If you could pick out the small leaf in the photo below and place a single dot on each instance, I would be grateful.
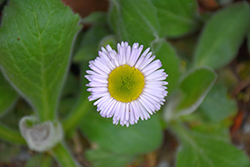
(206, 150)
(176, 17)
(170, 62)
(8, 95)
(140, 138)
(134, 21)
(35, 43)
(222, 36)
(40, 137)
(101, 158)
(217, 106)
(192, 91)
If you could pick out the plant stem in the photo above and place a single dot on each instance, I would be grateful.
(46, 160)
(82, 105)
(10, 135)
(75, 116)
(63, 156)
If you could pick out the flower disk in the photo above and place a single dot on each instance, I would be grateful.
(127, 85)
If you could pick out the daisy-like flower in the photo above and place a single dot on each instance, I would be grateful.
(128, 85)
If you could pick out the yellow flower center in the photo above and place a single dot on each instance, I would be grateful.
(125, 83)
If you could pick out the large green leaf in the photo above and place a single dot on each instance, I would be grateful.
(142, 137)
(35, 43)
(207, 150)
(101, 158)
(217, 106)
(176, 17)
(222, 36)
(8, 95)
(170, 62)
(134, 21)
(192, 90)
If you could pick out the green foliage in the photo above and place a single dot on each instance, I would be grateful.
(8, 151)
(177, 17)
(95, 17)
(62, 156)
(132, 21)
(81, 105)
(39, 160)
(222, 108)
(10, 135)
(144, 137)
(101, 158)
(248, 40)
(170, 62)
(89, 43)
(8, 95)
(222, 36)
(192, 90)
(35, 42)
(195, 87)
(206, 150)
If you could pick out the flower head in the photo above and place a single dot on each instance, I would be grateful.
(127, 85)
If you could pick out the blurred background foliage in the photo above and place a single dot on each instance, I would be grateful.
(204, 47)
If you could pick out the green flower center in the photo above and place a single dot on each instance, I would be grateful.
(125, 83)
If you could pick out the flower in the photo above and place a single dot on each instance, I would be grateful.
(127, 85)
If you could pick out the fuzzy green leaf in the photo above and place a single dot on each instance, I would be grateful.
(134, 21)
(176, 17)
(207, 150)
(170, 62)
(222, 36)
(101, 158)
(8, 95)
(35, 43)
(222, 106)
(142, 137)
(196, 85)
(192, 90)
